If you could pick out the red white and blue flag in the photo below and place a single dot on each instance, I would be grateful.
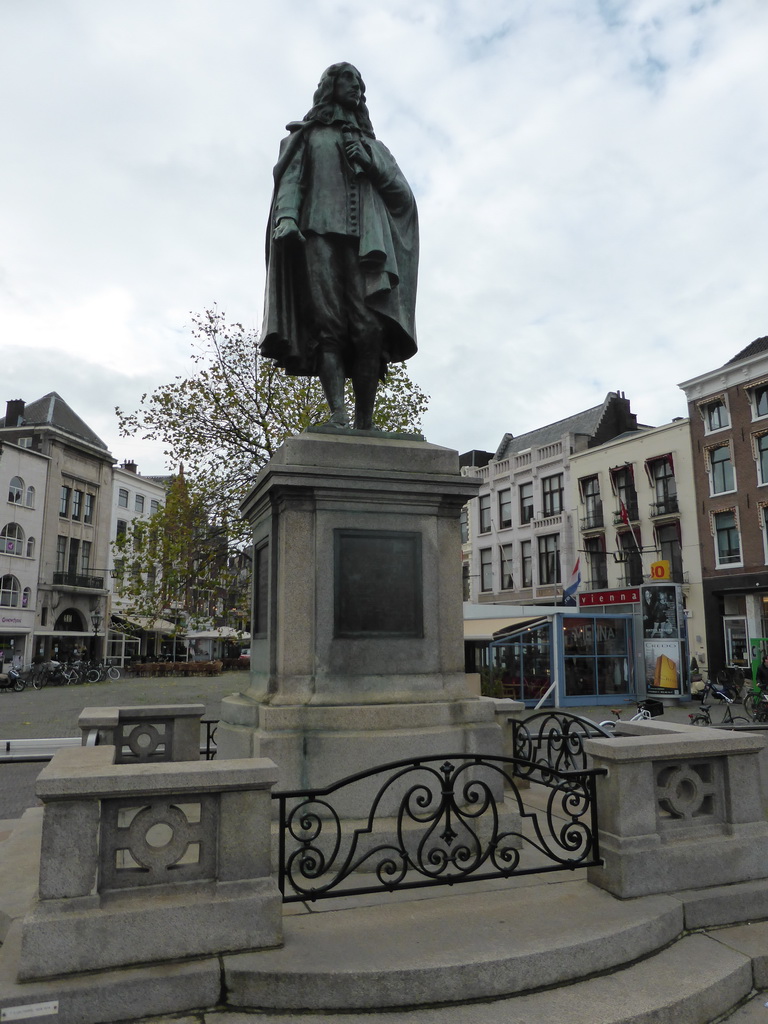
(569, 594)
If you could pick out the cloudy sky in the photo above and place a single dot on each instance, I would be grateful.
(592, 181)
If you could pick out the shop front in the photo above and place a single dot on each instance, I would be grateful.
(564, 659)
(16, 636)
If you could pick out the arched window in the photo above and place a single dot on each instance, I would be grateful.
(12, 539)
(30, 497)
(30, 547)
(16, 490)
(9, 592)
(70, 620)
(26, 597)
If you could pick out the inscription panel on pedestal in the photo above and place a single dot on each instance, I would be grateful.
(377, 584)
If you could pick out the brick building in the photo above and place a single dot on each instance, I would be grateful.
(728, 409)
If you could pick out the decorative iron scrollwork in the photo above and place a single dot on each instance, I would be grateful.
(433, 823)
(554, 739)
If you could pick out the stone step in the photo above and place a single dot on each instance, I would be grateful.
(459, 947)
(694, 981)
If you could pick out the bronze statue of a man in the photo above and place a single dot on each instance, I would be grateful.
(342, 251)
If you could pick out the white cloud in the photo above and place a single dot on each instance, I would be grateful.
(589, 177)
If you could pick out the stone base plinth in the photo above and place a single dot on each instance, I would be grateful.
(314, 747)
(71, 936)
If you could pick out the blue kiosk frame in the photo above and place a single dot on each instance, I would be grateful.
(589, 657)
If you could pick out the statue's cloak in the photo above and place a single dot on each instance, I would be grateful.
(388, 254)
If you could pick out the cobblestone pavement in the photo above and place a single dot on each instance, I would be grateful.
(54, 710)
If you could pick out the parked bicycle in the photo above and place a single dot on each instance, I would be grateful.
(704, 716)
(732, 681)
(98, 673)
(756, 703)
(646, 709)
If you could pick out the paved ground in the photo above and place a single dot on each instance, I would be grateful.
(54, 710)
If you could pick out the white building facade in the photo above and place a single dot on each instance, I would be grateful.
(23, 480)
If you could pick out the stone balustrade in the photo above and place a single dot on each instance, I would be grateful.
(680, 807)
(160, 732)
(153, 862)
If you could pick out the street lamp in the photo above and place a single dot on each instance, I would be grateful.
(95, 622)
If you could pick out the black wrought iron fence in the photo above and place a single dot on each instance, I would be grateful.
(433, 821)
(553, 740)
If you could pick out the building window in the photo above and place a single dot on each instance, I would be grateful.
(88, 508)
(61, 554)
(721, 475)
(760, 401)
(505, 508)
(623, 480)
(30, 497)
(593, 506)
(64, 501)
(631, 558)
(26, 597)
(465, 591)
(670, 549)
(464, 524)
(122, 498)
(526, 502)
(16, 490)
(9, 592)
(598, 565)
(727, 541)
(549, 559)
(154, 506)
(122, 529)
(761, 453)
(85, 557)
(485, 513)
(715, 415)
(662, 475)
(486, 570)
(526, 563)
(505, 567)
(30, 547)
(12, 539)
(138, 504)
(552, 494)
(77, 504)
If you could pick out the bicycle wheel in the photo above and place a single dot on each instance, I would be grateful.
(700, 719)
(751, 703)
(93, 676)
(737, 720)
(113, 673)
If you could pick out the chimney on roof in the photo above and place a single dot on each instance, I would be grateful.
(14, 412)
(129, 466)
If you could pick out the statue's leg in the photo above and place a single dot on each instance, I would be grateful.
(332, 379)
(325, 278)
(365, 380)
(366, 337)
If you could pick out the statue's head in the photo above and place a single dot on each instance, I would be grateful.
(331, 90)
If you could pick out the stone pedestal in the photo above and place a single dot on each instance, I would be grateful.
(357, 653)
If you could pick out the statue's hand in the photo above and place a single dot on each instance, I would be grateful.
(287, 228)
(357, 154)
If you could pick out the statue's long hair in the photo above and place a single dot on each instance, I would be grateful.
(323, 103)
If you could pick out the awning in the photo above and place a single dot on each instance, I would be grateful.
(149, 625)
(485, 629)
(515, 629)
